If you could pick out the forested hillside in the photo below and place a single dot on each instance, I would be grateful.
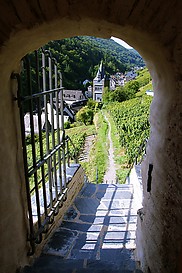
(79, 57)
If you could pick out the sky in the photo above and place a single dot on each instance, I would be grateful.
(119, 41)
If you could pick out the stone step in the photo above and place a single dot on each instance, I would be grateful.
(54, 264)
(96, 235)
(90, 188)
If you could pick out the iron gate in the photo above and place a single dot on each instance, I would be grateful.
(45, 147)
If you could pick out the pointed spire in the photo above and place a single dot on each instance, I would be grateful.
(100, 72)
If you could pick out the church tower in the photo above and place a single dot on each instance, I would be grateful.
(98, 84)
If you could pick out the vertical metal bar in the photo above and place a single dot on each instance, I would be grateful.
(30, 218)
(47, 131)
(68, 152)
(58, 129)
(40, 134)
(96, 175)
(52, 127)
(62, 129)
(33, 142)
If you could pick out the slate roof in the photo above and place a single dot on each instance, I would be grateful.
(73, 95)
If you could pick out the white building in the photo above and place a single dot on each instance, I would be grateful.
(98, 84)
(88, 93)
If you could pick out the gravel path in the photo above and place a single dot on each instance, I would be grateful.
(84, 154)
(110, 175)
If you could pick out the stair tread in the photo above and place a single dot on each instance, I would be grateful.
(96, 235)
(53, 264)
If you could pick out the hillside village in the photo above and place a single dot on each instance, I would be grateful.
(74, 100)
(96, 89)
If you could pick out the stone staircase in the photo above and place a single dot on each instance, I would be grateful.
(96, 235)
(55, 264)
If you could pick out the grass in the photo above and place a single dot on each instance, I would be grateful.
(98, 157)
(77, 135)
(120, 158)
(144, 89)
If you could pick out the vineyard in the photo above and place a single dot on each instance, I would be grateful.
(131, 120)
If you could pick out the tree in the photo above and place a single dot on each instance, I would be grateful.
(78, 58)
(131, 88)
(106, 95)
(121, 93)
(94, 105)
(85, 115)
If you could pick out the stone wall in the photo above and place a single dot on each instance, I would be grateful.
(13, 223)
(153, 27)
(74, 187)
(158, 233)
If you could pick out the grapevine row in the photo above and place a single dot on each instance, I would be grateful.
(132, 122)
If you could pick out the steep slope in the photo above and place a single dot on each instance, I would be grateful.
(79, 58)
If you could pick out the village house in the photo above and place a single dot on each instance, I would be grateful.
(50, 112)
(88, 92)
(71, 96)
(98, 84)
(116, 80)
(130, 75)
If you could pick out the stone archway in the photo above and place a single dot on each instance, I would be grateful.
(156, 34)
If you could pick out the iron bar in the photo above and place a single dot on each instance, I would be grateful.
(140, 152)
(67, 152)
(45, 159)
(58, 129)
(75, 153)
(40, 135)
(47, 131)
(33, 142)
(46, 92)
(97, 175)
(62, 129)
(52, 127)
(40, 181)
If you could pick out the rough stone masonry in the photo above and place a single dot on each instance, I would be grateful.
(153, 27)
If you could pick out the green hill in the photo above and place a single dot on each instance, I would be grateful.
(79, 57)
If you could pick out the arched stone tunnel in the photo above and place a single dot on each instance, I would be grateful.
(154, 28)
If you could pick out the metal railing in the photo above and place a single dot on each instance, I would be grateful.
(141, 150)
(71, 155)
(45, 147)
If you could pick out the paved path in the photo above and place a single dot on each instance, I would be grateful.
(110, 175)
(97, 234)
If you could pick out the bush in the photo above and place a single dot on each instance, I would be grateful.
(121, 93)
(85, 115)
(94, 105)
(29, 138)
(67, 125)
